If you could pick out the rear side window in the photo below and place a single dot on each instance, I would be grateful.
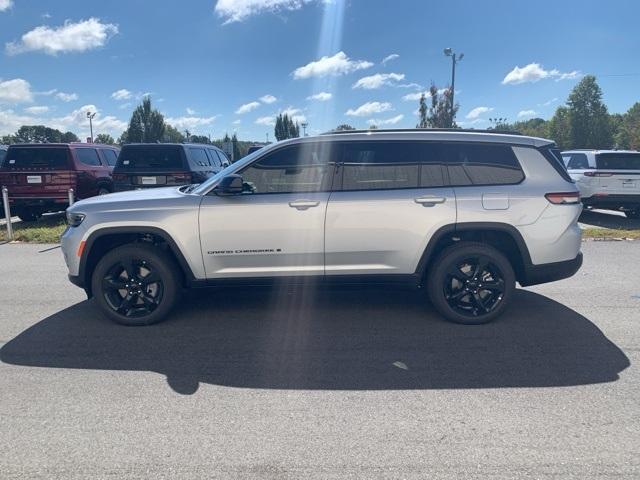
(88, 156)
(618, 161)
(199, 157)
(150, 157)
(36, 157)
(481, 164)
(111, 156)
(577, 161)
(390, 165)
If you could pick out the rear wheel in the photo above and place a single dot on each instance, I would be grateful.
(633, 214)
(471, 283)
(103, 191)
(28, 214)
(136, 284)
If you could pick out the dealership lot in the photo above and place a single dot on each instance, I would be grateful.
(299, 383)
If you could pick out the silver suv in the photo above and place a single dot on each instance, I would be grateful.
(464, 214)
(607, 179)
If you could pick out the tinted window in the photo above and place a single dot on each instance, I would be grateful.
(213, 158)
(618, 161)
(223, 158)
(88, 156)
(480, 164)
(150, 157)
(32, 157)
(390, 165)
(2, 155)
(199, 157)
(111, 156)
(299, 168)
(578, 161)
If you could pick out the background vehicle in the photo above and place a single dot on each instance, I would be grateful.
(149, 165)
(466, 214)
(39, 176)
(253, 148)
(607, 179)
(3, 152)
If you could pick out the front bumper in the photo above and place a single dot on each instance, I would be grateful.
(551, 272)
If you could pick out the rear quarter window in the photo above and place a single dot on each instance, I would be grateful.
(36, 157)
(151, 157)
(88, 156)
(618, 161)
(481, 164)
(110, 156)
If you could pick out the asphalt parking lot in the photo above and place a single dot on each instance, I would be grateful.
(298, 383)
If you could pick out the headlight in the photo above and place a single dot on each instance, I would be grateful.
(75, 219)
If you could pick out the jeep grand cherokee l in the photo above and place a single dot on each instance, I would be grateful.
(464, 214)
(39, 176)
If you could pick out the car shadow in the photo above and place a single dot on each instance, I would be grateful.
(351, 339)
(608, 220)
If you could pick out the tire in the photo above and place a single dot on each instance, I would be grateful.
(103, 191)
(633, 214)
(458, 289)
(28, 214)
(136, 303)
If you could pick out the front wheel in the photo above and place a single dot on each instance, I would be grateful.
(136, 284)
(471, 283)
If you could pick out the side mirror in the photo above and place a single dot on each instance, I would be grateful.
(229, 185)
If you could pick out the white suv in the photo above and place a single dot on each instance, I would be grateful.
(607, 179)
(465, 214)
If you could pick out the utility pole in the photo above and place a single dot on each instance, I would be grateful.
(304, 126)
(90, 117)
(454, 60)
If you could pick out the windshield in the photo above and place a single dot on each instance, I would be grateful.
(204, 187)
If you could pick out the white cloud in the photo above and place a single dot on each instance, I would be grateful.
(321, 97)
(337, 65)
(476, 112)
(268, 99)
(124, 106)
(247, 107)
(5, 5)
(239, 10)
(122, 94)
(414, 97)
(268, 121)
(534, 72)
(548, 102)
(76, 121)
(37, 110)
(11, 121)
(237, 122)
(390, 58)
(295, 114)
(190, 122)
(67, 97)
(190, 111)
(378, 80)
(17, 90)
(369, 108)
(526, 113)
(70, 37)
(388, 121)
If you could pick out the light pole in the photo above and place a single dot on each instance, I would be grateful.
(455, 58)
(90, 117)
(304, 126)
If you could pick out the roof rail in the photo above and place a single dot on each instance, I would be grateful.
(413, 130)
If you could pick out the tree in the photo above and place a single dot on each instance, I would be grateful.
(344, 127)
(628, 134)
(172, 135)
(440, 114)
(200, 139)
(236, 148)
(588, 116)
(559, 127)
(41, 134)
(146, 124)
(285, 128)
(105, 139)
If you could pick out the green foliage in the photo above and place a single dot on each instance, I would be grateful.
(343, 127)
(39, 134)
(285, 128)
(628, 132)
(146, 125)
(236, 147)
(105, 139)
(200, 139)
(588, 116)
(172, 135)
(440, 114)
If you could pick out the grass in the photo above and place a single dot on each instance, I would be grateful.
(610, 233)
(45, 230)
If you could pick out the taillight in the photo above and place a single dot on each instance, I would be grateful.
(179, 179)
(119, 177)
(598, 174)
(563, 198)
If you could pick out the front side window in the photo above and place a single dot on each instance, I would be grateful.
(295, 169)
(88, 156)
(110, 156)
(213, 158)
(481, 164)
(390, 165)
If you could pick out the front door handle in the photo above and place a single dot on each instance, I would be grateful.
(430, 201)
(303, 204)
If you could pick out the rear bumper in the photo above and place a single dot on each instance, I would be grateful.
(612, 201)
(550, 272)
(58, 202)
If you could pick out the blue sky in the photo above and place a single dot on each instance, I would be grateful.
(216, 66)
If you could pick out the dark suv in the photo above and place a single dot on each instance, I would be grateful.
(39, 176)
(148, 165)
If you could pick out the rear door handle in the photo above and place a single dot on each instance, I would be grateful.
(430, 201)
(303, 204)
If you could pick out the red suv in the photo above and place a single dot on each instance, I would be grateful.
(39, 176)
